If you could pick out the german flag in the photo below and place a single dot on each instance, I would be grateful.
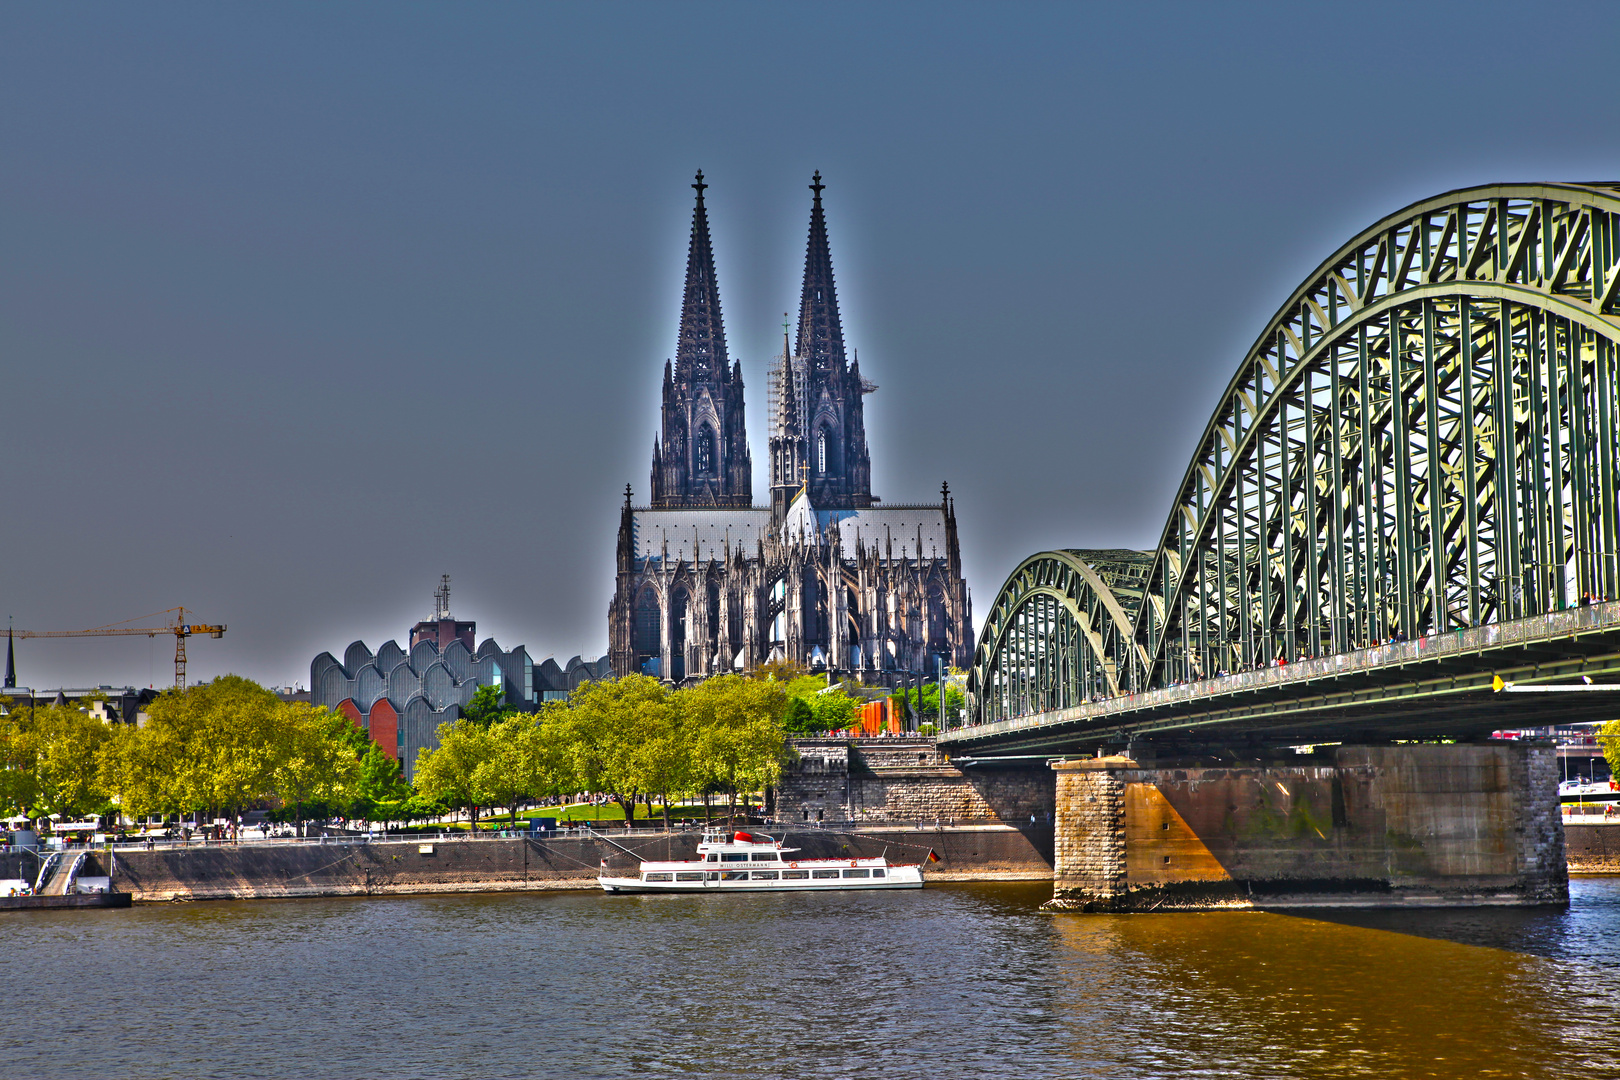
(933, 856)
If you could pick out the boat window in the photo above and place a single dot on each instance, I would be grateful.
(657, 877)
(734, 875)
(713, 876)
(734, 856)
(766, 856)
(713, 857)
(823, 873)
(689, 875)
(877, 873)
(764, 875)
(857, 873)
(795, 875)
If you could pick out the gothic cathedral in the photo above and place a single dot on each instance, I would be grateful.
(825, 576)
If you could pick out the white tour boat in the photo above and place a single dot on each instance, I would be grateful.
(753, 862)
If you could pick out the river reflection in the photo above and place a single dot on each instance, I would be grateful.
(955, 980)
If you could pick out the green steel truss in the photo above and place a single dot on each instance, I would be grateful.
(1425, 437)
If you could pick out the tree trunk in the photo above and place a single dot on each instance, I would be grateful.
(666, 812)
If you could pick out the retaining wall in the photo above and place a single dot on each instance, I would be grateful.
(1593, 848)
(269, 870)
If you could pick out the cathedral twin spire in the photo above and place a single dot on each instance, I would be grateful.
(821, 334)
(701, 458)
(818, 436)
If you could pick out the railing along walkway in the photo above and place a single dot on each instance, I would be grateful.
(1393, 654)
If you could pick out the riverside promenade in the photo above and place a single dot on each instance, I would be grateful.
(455, 863)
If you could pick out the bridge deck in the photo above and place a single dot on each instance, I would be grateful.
(1435, 686)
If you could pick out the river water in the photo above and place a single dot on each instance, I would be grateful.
(957, 980)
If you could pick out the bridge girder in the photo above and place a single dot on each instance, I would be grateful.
(1424, 437)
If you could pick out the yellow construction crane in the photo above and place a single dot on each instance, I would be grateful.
(178, 626)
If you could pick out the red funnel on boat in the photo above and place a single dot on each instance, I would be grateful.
(743, 838)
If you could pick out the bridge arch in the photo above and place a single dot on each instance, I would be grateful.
(1053, 637)
(1426, 436)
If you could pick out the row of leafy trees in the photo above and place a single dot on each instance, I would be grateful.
(230, 745)
(632, 739)
(217, 748)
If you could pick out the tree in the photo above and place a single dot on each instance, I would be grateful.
(517, 766)
(814, 708)
(736, 733)
(48, 761)
(446, 773)
(211, 747)
(381, 778)
(664, 758)
(1609, 739)
(315, 759)
(602, 730)
(488, 705)
(799, 718)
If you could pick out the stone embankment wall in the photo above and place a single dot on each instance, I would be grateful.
(1355, 826)
(263, 871)
(908, 779)
(1594, 848)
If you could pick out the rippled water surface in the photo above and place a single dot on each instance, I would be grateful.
(955, 980)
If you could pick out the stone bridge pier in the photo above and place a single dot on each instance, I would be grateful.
(1349, 826)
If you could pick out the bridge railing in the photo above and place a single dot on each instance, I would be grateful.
(1554, 624)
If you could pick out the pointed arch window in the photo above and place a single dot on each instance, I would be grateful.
(648, 632)
(703, 452)
(821, 453)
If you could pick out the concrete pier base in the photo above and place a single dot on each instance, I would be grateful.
(1351, 826)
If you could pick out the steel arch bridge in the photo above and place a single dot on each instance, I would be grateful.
(1424, 438)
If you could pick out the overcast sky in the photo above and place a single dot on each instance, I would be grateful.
(304, 305)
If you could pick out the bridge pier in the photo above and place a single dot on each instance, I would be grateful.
(1349, 826)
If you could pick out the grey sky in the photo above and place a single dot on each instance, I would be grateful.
(304, 305)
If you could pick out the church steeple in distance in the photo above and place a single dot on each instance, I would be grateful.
(840, 469)
(702, 459)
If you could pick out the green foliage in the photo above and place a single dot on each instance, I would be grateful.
(445, 773)
(814, 709)
(315, 759)
(735, 731)
(1609, 740)
(929, 709)
(226, 745)
(630, 739)
(488, 705)
(381, 778)
(518, 764)
(503, 764)
(48, 761)
(607, 734)
(799, 718)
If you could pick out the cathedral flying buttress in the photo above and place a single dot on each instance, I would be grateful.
(824, 576)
